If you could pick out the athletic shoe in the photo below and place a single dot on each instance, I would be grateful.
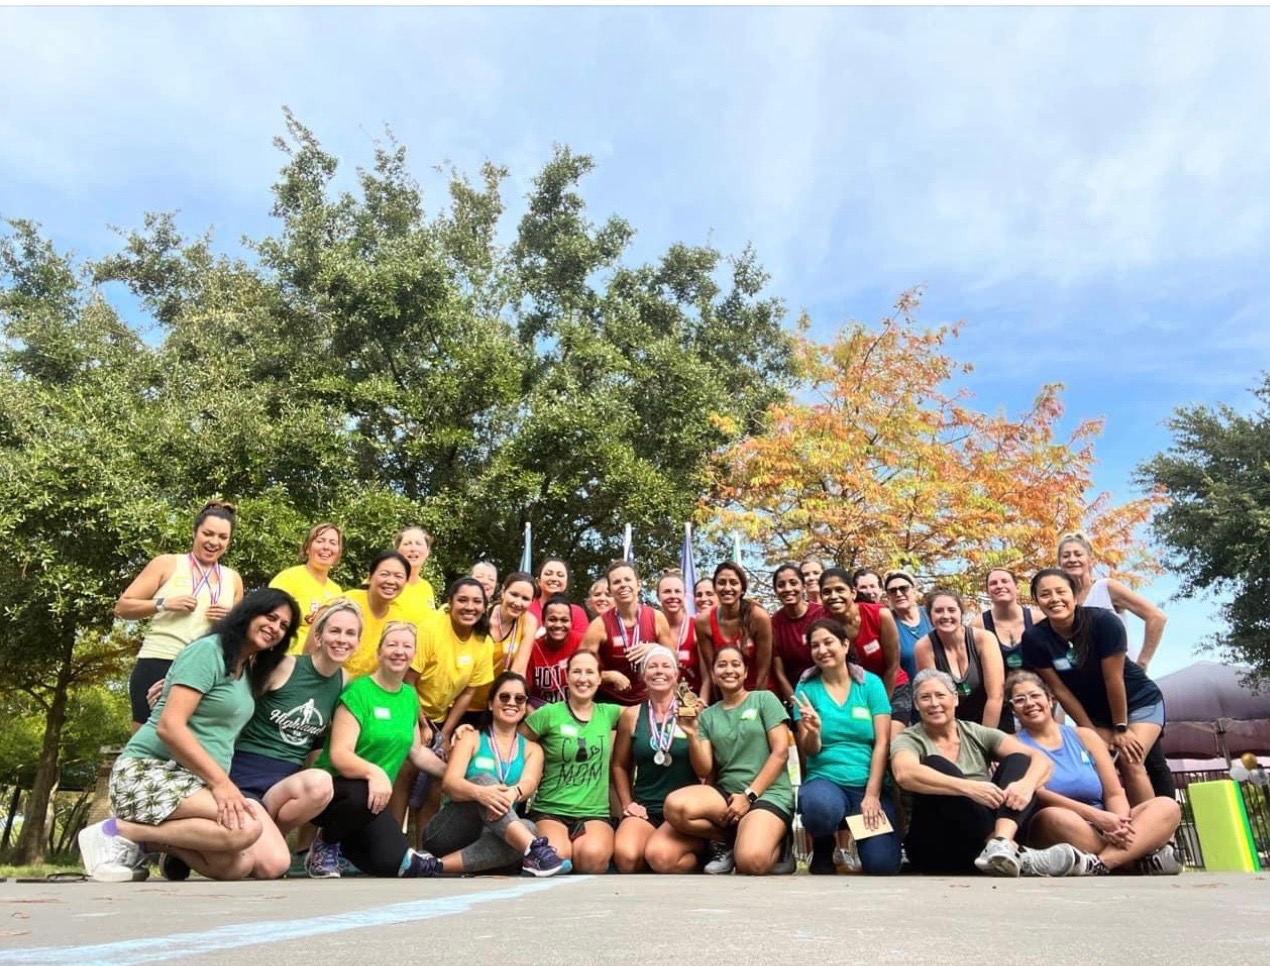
(1057, 860)
(1163, 861)
(847, 859)
(542, 860)
(721, 861)
(787, 864)
(999, 857)
(1087, 864)
(172, 868)
(423, 865)
(110, 858)
(323, 861)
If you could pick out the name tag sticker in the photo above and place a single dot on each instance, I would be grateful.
(465, 659)
(569, 731)
(1062, 664)
(749, 713)
(680, 733)
(861, 713)
(483, 762)
(384, 714)
(872, 647)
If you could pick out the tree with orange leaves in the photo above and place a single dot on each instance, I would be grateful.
(884, 466)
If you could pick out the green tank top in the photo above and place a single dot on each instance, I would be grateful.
(291, 721)
(653, 782)
(485, 762)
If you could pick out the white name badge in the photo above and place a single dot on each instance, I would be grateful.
(749, 713)
(872, 647)
(680, 733)
(1062, 664)
(465, 659)
(384, 714)
(483, 762)
(569, 731)
(861, 713)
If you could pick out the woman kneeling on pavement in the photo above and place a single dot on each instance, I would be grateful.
(844, 731)
(747, 816)
(170, 788)
(1083, 803)
(490, 771)
(961, 818)
(376, 730)
(650, 761)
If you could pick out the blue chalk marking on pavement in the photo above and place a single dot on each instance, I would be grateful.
(176, 945)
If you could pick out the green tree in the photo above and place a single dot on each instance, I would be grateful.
(1216, 526)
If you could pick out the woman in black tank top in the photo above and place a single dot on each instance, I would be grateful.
(971, 657)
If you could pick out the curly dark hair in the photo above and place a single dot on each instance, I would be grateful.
(232, 631)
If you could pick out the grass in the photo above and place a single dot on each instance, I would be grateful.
(40, 871)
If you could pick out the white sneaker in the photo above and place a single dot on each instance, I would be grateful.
(846, 859)
(110, 858)
(999, 857)
(1056, 860)
(721, 860)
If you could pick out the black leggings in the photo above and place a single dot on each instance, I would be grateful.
(1158, 771)
(373, 843)
(947, 832)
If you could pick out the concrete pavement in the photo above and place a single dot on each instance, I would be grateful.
(1193, 918)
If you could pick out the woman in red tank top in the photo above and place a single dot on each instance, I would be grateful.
(671, 595)
(623, 636)
(791, 655)
(547, 673)
(875, 641)
(738, 621)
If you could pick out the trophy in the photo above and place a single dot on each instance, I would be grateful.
(689, 703)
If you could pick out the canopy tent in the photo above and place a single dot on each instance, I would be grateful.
(1212, 715)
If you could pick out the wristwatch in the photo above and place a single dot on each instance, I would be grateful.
(1120, 728)
(158, 605)
(751, 795)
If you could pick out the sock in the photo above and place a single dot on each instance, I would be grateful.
(529, 847)
(110, 826)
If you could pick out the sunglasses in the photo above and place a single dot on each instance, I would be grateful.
(899, 589)
(506, 697)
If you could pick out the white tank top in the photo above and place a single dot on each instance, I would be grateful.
(1100, 596)
(169, 631)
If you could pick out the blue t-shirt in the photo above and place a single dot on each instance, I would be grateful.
(1044, 647)
(909, 636)
(846, 730)
(1075, 776)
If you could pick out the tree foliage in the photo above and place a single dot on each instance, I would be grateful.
(881, 465)
(1216, 526)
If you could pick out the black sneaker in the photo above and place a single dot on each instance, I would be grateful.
(172, 868)
(423, 865)
(822, 857)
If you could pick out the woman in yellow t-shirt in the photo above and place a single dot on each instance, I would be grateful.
(417, 597)
(309, 582)
(379, 604)
(512, 631)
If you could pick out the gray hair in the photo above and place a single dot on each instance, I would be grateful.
(934, 674)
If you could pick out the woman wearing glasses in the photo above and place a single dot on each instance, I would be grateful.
(572, 805)
(911, 621)
(1083, 803)
(491, 770)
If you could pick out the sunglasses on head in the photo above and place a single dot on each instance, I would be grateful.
(506, 697)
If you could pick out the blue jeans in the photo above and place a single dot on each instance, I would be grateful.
(824, 805)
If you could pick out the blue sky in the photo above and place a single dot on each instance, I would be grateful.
(1089, 189)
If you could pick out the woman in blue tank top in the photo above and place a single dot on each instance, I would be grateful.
(491, 770)
(1083, 803)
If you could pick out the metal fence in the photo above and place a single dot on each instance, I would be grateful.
(1256, 801)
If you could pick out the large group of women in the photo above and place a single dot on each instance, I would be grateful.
(528, 734)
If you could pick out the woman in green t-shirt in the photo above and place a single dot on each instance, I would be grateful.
(746, 815)
(170, 787)
(376, 730)
(572, 805)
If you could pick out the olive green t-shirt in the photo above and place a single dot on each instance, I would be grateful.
(738, 740)
(978, 747)
(226, 705)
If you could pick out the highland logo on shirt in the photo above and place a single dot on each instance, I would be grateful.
(300, 725)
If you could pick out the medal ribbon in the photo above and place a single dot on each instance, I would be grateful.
(628, 645)
(661, 736)
(501, 768)
(203, 578)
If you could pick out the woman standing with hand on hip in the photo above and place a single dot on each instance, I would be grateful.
(183, 595)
